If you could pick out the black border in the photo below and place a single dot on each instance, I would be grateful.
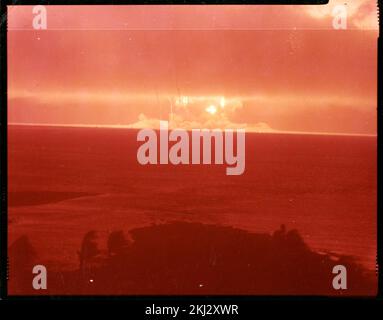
(142, 301)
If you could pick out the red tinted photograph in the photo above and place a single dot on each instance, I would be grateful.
(192, 150)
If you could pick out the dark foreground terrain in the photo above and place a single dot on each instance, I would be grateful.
(192, 258)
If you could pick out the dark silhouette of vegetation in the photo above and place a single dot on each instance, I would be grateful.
(192, 258)
(22, 258)
(89, 250)
(117, 243)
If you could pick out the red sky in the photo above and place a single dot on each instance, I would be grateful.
(261, 67)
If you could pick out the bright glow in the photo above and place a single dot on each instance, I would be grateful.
(222, 102)
(185, 100)
(211, 109)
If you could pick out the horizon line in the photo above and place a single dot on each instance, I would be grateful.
(124, 126)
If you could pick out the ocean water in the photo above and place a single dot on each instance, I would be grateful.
(66, 181)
